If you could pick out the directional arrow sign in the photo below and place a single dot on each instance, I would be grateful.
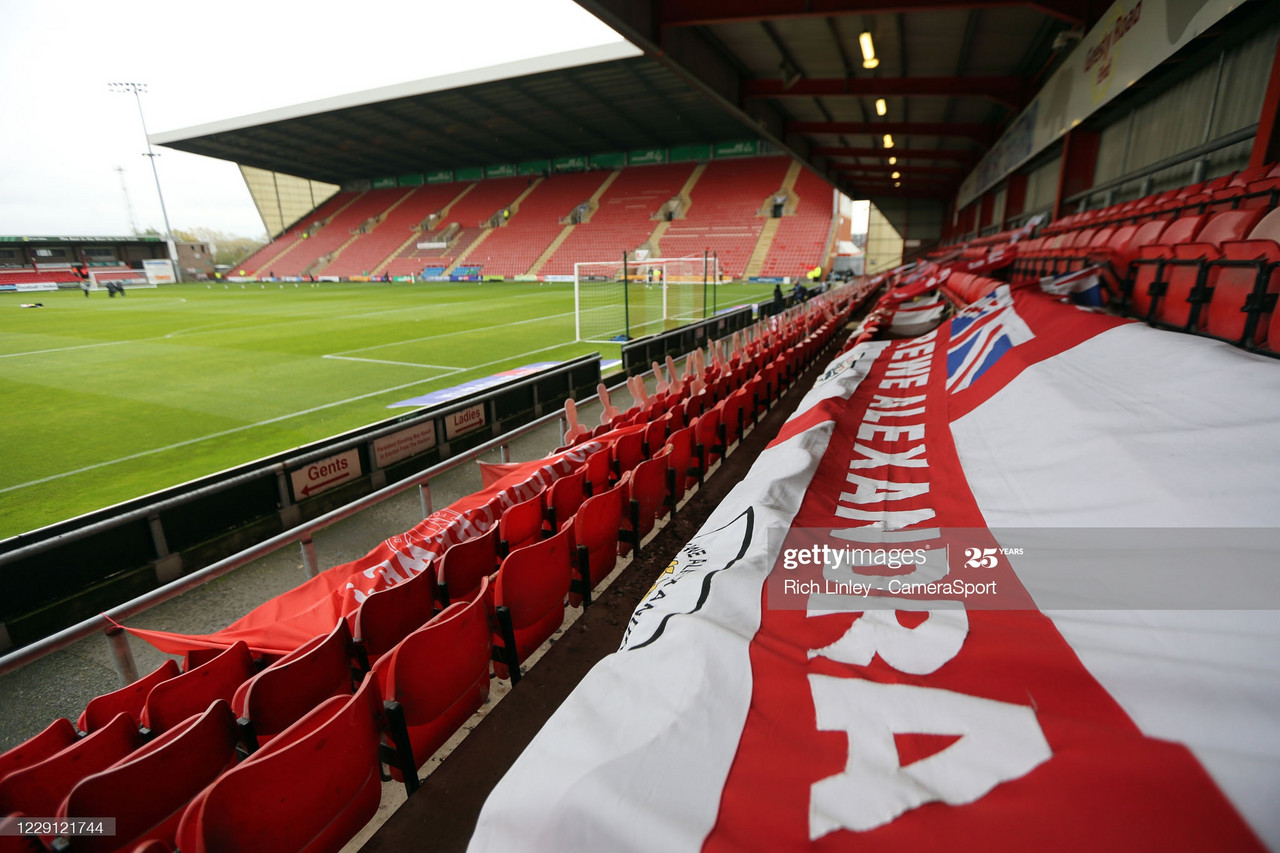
(324, 474)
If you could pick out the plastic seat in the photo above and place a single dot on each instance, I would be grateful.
(680, 461)
(628, 452)
(170, 702)
(597, 468)
(389, 615)
(291, 688)
(462, 569)
(655, 435)
(520, 525)
(129, 699)
(437, 677)
(563, 497)
(1181, 290)
(55, 737)
(595, 533)
(1149, 262)
(733, 417)
(708, 441)
(648, 498)
(38, 789)
(320, 778)
(148, 790)
(1243, 285)
(529, 599)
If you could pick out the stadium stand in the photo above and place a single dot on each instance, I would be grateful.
(624, 217)
(261, 262)
(801, 239)
(426, 201)
(513, 248)
(724, 215)
(310, 257)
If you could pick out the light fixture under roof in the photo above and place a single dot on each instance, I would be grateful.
(881, 107)
(893, 161)
(888, 140)
(896, 175)
(897, 183)
(868, 51)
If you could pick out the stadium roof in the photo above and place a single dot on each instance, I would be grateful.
(952, 75)
(608, 98)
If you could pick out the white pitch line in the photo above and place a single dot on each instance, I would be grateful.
(459, 332)
(244, 427)
(448, 367)
(65, 349)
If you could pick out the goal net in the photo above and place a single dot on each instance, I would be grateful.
(651, 296)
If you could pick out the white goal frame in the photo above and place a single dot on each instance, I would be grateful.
(664, 274)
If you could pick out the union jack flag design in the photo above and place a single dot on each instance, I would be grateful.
(980, 335)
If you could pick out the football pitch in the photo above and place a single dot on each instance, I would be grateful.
(109, 399)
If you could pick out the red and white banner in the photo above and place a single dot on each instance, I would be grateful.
(754, 706)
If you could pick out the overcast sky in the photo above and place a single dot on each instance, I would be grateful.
(64, 133)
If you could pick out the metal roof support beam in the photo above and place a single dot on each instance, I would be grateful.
(984, 134)
(674, 13)
(1003, 90)
(960, 156)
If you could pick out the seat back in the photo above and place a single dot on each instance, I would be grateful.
(128, 699)
(628, 452)
(532, 585)
(321, 787)
(288, 690)
(733, 416)
(1234, 282)
(462, 569)
(655, 435)
(147, 791)
(39, 788)
(55, 737)
(680, 460)
(170, 702)
(520, 524)
(564, 497)
(1268, 228)
(389, 615)
(1231, 225)
(596, 468)
(439, 674)
(595, 533)
(648, 495)
(708, 440)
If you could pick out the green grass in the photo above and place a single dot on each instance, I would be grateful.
(109, 399)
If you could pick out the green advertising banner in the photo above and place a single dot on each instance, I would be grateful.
(383, 183)
(472, 173)
(611, 160)
(534, 167)
(410, 180)
(569, 164)
(684, 153)
(745, 148)
(646, 156)
(504, 170)
(443, 176)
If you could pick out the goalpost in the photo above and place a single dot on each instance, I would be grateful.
(627, 298)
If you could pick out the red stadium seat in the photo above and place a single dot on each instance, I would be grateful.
(128, 699)
(595, 532)
(1243, 285)
(628, 452)
(1149, 262)
(147, 791)
(1180, 292)
(563, 498)
(170, 702)
(680, 463)
(649, 498)
(465, 565)
(291, 688)
(529, 598)
(708, 441)
(436, 678)
(520, 525)
(597, 469)
(57, 736)
(320, 777)
(38, 789)
(389, 615)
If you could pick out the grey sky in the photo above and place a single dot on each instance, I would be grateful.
(65, 132)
